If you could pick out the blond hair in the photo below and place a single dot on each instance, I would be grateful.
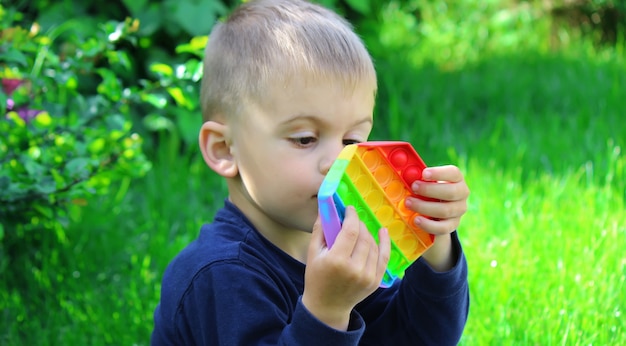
(266, 43)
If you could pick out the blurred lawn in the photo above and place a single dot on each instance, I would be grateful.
(539, 133)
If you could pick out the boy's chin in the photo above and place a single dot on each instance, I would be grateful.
(309, 227)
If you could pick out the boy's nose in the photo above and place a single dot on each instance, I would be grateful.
(325, 166)
(328, 160)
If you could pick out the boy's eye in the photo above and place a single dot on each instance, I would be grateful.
(303, 141)
(350, 141)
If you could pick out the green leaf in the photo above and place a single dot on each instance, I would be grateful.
(46, 186)
(197, 17)
(156, 122)
(150, 19)
(110, 85)
(58, 178)
(195, 46)
(120, 58)
(157, 100)
(32, 167)
(96, 146)
(193, 70)
(15, 56)
(78, 167)
(162, 69)
(188, 123)
(361, 6)
(135, 7)
(117, 122)
(42, 120)
(47, 212)
(3, 102)
(178, 96)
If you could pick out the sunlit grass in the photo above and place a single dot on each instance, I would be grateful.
(547, 265)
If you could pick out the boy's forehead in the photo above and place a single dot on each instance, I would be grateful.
(306, 80)
(300, 100)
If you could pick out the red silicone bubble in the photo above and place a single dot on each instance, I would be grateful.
(398, 158)
(411, 174)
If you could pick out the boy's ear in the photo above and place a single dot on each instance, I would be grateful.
(215, 146)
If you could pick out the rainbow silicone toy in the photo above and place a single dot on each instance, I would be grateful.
(375, 178)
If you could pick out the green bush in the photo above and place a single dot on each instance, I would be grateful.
(65, 132)
(170, 96)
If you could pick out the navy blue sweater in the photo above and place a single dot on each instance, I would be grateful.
(231, 286)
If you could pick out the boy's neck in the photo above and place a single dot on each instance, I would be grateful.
(293, 242)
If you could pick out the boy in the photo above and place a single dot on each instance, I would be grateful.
(287, 85)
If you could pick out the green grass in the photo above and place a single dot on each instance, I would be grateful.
(547, 264)
(540, 135)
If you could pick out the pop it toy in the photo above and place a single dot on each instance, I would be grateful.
(375, 178)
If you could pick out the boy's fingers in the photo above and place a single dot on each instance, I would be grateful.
(349, 234)
(439, 227)
(439, 210)
(441, 191)
(363, 247)
(443, 173)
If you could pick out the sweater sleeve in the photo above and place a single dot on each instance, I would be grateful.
(424, 308)
(231, 304)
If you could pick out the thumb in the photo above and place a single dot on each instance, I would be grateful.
(318, 242)
(384, 252)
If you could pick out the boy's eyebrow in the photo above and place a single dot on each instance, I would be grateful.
(314, 119)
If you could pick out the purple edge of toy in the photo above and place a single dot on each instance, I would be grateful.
(331, 223)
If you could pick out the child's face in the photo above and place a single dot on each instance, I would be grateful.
(284, 149)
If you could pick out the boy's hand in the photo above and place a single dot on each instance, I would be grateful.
(446, 201)
(337, 279)
(448, 193)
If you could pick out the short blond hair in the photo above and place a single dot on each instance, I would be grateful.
(267, 42)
